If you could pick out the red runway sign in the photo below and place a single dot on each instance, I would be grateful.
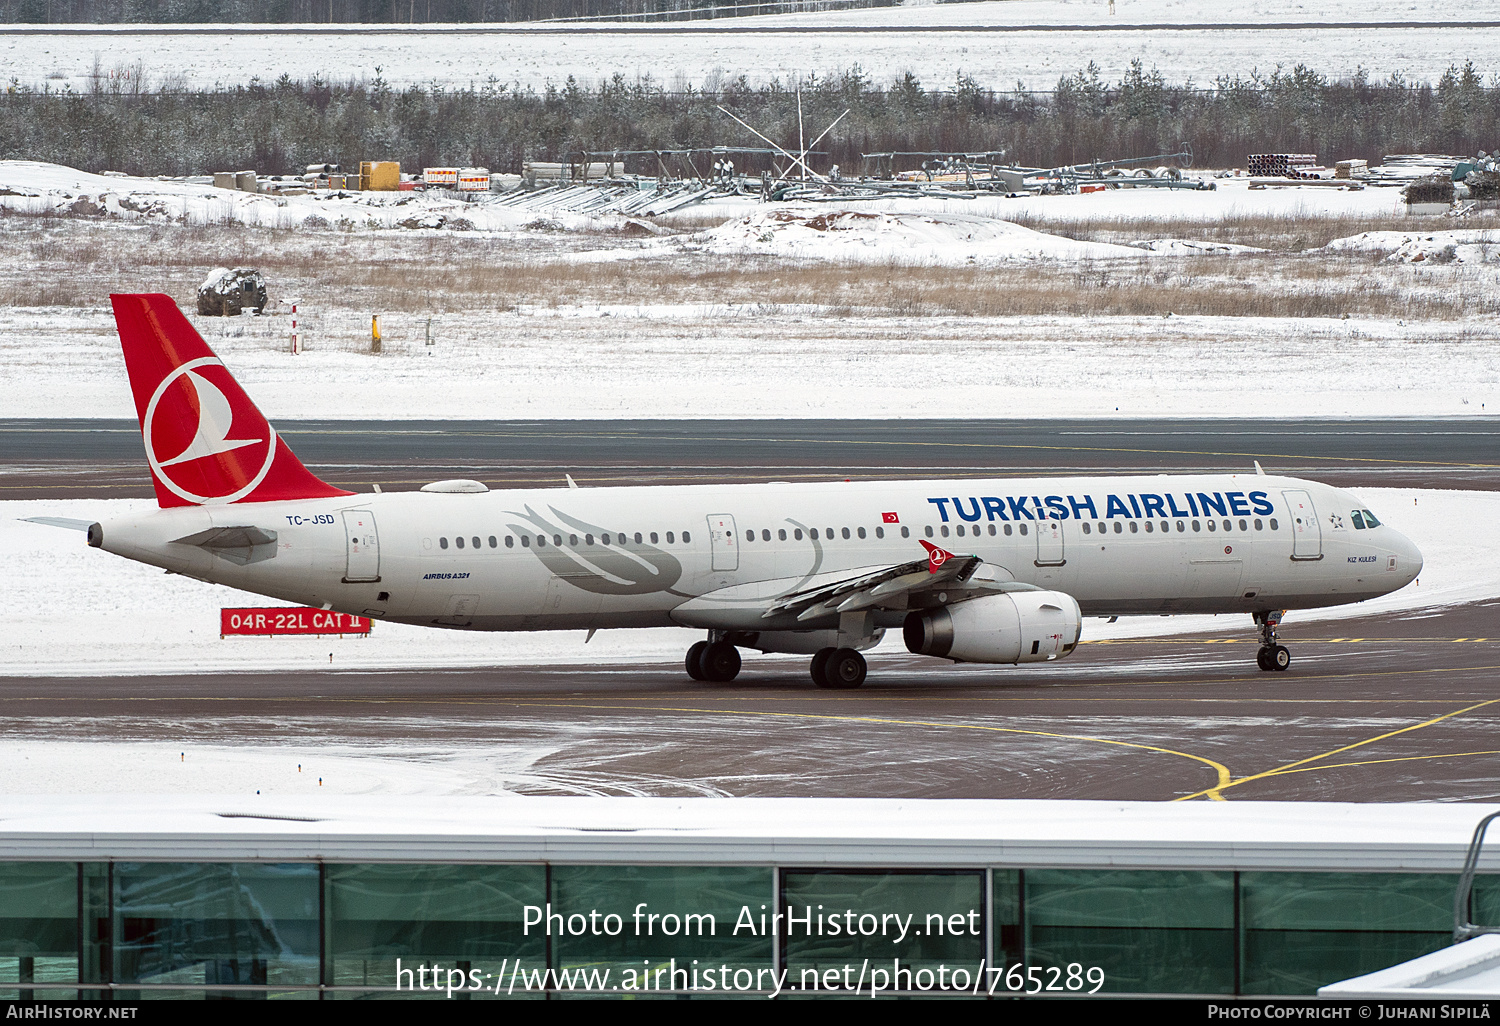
(290, 620)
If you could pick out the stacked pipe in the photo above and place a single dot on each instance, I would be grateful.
(1280, 165)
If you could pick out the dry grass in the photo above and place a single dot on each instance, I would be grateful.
(74, 263)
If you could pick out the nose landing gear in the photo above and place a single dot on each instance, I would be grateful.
(1271, 656)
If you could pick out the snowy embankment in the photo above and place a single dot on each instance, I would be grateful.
(69, 609)
(1462, 246)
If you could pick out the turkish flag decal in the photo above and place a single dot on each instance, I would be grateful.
(890, 518)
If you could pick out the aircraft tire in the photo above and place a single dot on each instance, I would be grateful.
(720, 662)
(819, 665)
(694, 662)
(1279, 658)
(1261, 658)
(845, 669)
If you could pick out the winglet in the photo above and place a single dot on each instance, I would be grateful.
(206, 442)
(1258, 469)
(936, 557)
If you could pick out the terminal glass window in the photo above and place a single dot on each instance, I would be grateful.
(1150, 931)
(226, 923)
(38, 929)
(636, 920)
(1305, 930)
(468, 918)
(942, 913)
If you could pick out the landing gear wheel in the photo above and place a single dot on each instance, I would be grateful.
(694, 661)
(1279, 658)
(720, 662)
(845, 669)
(819, 664)
(1261, 659)
(1271, 655)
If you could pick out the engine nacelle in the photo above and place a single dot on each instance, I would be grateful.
(1012, 627)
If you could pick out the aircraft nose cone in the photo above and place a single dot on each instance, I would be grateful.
(1409, 557)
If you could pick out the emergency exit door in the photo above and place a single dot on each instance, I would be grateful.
(362, 545)
(1049, 544)
(723, 542)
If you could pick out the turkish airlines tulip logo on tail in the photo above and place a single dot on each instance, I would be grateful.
(205, 440)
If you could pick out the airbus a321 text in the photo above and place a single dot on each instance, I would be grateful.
(981, 571)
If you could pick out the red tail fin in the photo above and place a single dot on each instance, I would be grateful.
(205, 440)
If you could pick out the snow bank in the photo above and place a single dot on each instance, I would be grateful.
(69, 609)
(881, 237)
(1472, 246)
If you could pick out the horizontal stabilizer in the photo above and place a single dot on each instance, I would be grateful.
(242, 545)
(67, 522)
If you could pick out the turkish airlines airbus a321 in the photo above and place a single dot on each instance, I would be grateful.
(981, 571)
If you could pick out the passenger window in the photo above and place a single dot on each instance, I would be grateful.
(510, 541)
(1135, 528)
(960, 530)
(1211, 525)
(1007, 530)
(638, 538)
(1228, 526)
(905, 532)
(541, 541)
(669, 538)
(573, 540)
(1023, 528)
(812, 532)
(797, 534)
(588, 539)
(442, 543)
(1103, 528)
(525, 542)
(929, 530)
(846, 534)
(686, 537)
(828, 533)
(1148, 527)
(992, 530)
(1357, 520)
(1244, 526)
(944, 530)
(494, 542)
(766, 535)
(781, 534)
(604, 539)
(459, 541)
(1260, 525)
(475, 540)
(1181, 527)
(880, 532)
(861, 532)
(1119, 527)
(1085, 528)
(749, 535)
(1274, 525)
(1196, 526)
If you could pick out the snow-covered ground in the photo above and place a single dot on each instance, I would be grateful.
(680, 54)
(70, 609)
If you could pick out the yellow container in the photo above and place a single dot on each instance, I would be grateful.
(379, 175)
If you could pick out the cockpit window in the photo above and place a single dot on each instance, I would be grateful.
(1370, 520)
(1358, 521)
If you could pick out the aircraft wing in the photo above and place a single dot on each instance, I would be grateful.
(872, 589)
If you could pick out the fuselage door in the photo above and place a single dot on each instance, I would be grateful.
(723, 541)
(363, 546)
(1307, 533)
(1049, 543)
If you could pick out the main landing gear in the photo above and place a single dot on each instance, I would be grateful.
(838, 668)
(716, 661)
(1271, 655)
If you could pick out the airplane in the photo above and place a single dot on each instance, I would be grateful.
(998, 571)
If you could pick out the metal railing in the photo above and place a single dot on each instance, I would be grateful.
(1463, 929)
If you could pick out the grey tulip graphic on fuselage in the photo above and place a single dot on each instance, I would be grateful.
(625, 568)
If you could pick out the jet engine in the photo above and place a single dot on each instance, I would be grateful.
(1012, 627)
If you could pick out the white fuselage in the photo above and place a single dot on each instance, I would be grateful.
(714, 556)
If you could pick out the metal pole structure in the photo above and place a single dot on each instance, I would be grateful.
(784, 153)
(296, 338)
(801, 140)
